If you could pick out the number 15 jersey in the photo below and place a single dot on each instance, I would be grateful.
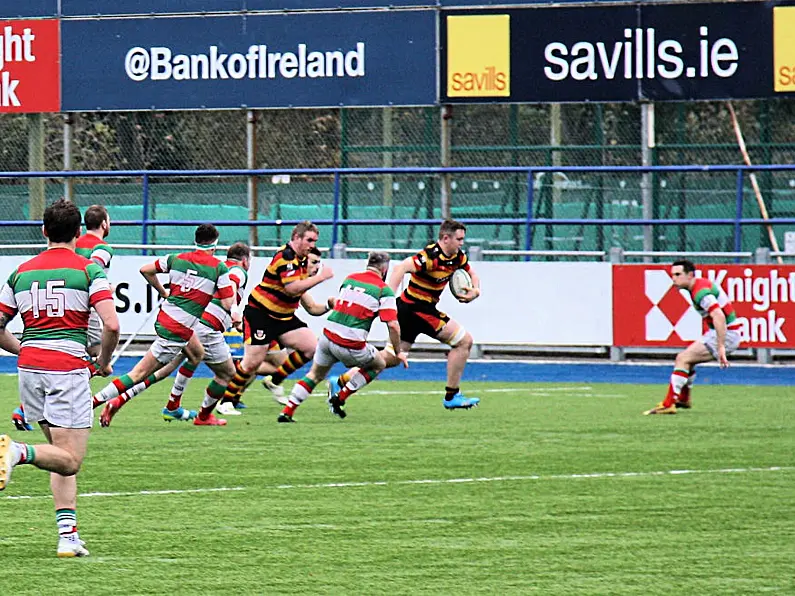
(54, 293)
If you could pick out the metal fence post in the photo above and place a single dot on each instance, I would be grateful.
(528, 232)
(445, 157)
(616, 256)
(648, 142)
(335, 215)
(251, 164)
(145, 218)
(68, 130)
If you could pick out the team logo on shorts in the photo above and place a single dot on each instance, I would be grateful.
(259, 334)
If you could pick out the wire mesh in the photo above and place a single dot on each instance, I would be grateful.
(480, 135)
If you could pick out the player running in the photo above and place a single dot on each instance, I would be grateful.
(93, 247)
(721, 338)
(431, 270)
(195, 278)
(363, 297)
(270, 313)
(54, 293)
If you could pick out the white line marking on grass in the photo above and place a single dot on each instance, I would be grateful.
(437, 481)
(140, 493)
(533, 477)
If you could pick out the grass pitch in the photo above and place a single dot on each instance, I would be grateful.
(544, 489)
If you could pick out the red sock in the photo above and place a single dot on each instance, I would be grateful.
(670, 398)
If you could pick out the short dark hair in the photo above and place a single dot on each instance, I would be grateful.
(315, 251)
(378, 259)
(302, 228)
(62, 221)
(687, 266)
(95, 215)
(450, 227)
(206, 234)
(238, 251)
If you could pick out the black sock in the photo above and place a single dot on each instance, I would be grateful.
(449, 393)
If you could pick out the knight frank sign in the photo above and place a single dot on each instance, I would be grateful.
(649, 311)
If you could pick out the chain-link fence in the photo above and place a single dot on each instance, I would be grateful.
(479, 135)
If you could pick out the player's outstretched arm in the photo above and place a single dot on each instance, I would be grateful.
(106, 309)
(312, 307)
(296, 288)
(401, 269)
(149, 271)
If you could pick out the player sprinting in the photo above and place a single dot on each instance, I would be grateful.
(92, 246)
(276, 356)
(238, 260)
(721, 338)
(431, 270)
(54, 293)
(270, 313)
(194, 278)
(363, 297)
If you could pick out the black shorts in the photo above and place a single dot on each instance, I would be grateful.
(260, 329)
(419, 317)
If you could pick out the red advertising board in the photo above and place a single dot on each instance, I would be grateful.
(30, 66)
(649, 311)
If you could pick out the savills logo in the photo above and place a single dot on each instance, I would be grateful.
(784, 48)
(479, 56)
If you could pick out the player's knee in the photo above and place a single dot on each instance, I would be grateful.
(308, 353)
(461, 339)
(70, 466)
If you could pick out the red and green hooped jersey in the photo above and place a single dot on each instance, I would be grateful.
(214, 315)
(706, 297)
(363, 297)
(270, 295)
(194, 278)
(95, 249)
(54, 292)
(434, 270)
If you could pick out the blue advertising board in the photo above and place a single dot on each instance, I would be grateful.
(80, 8)
(27, 9)
(262, 61)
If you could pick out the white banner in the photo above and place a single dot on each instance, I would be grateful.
(565, 304)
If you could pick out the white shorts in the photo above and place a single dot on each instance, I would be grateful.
(710, 340)
(165, 350)
(94, 329)
(59, 399)
(216, 350)
(328, 353)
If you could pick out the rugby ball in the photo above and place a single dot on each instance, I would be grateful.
(460, 281)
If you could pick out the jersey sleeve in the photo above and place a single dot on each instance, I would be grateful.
(422, 260)
(289, 271)
(102, 255)
(225, 286)
(387, 306)
(464, 263)
(163, 264)
(706, 300)
(8, 300)
(98, 285)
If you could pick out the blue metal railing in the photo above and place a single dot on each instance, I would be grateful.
(336, 174)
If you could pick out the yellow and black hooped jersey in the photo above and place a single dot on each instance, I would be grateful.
(434, 270)
(270, 295)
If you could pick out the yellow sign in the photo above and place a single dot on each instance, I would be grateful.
(784, 48)
(479, 56)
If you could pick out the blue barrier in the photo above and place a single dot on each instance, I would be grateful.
(336, 175)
